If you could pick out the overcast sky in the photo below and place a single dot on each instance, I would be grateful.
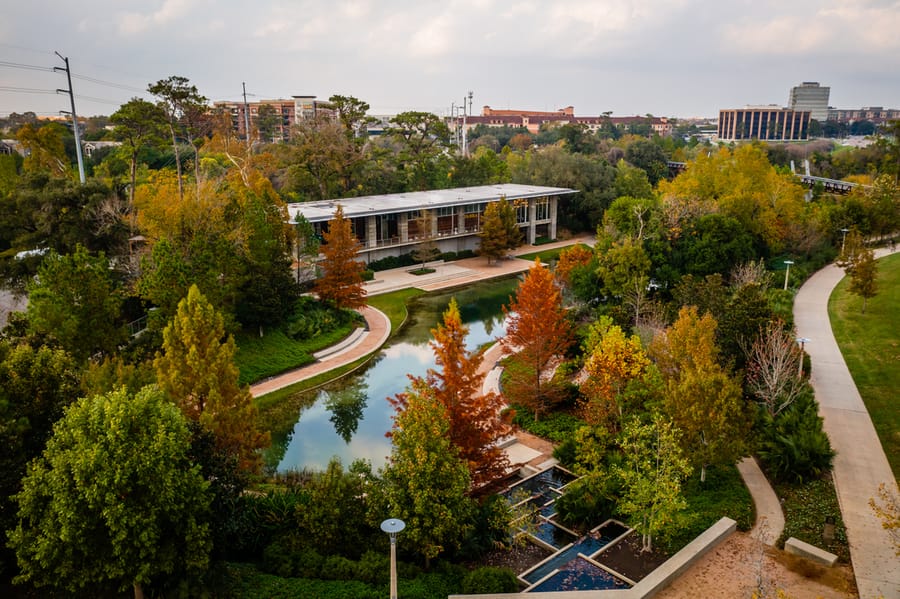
(677, 58)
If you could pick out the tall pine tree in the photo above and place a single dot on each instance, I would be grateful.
(197, 371)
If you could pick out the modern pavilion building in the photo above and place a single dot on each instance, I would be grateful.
(392, 225)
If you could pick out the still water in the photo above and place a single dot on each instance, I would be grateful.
(349, 418)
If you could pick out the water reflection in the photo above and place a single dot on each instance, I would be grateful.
(349, 418)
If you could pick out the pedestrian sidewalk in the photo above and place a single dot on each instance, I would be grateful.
(860, 464)
(378, 329)
(769, 522)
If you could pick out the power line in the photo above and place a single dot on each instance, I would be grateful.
(108, 83)
(26, 90)
(24, 67)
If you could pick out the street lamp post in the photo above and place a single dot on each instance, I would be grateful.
(392, 526)
(843, 239)
(802, 341)
(787, 272)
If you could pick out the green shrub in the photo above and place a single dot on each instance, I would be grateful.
(368, 275)
(556, 427)
(390, 262)
(587, 501)
(338, 568)
(448, 256)
(793, 445)
(490, 580)
(374, 567)
(308, 564)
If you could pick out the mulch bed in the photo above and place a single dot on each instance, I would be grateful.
(518, 559)
(627, 558)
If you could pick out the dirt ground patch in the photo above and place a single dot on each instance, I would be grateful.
(625, 557)
(732, 568)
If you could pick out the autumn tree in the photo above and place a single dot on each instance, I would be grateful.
(341, 283)
(703, 399)
(113, 500)
(652, 469)
(197, 370)
(426, 249)
(571, 258)
(44, 149)
(178, 99)
(475, 424)
(537, 331)
(858, 263)
(613, 360)
(137, 123)
(426, 480)
(773, 368)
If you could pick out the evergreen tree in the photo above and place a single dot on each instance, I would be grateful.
(493, 243)
(426, 480)
(196, 369)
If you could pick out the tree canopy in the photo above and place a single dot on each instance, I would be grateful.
(113, 500)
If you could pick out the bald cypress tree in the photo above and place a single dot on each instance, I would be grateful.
(341, 283)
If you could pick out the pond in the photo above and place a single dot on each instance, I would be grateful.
(348, 419)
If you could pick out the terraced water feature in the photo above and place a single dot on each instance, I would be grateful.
(572, 565)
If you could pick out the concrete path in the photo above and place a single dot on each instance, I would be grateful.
(860, 465)
(378, 328)
(769, 522)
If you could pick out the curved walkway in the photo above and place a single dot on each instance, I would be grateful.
(860, 465)
(378, 328)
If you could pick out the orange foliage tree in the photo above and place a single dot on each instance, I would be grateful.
(571, 258)
(341, 282)
(538, 331)
(475, 422)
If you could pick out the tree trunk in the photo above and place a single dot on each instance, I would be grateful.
(138, 591)
(703, 473)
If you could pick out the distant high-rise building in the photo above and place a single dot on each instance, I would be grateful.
(765, 123)
(811, 97)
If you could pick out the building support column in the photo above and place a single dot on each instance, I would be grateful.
(553, 200)
(532, 217)
(371, 231)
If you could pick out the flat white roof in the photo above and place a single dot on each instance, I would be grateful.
(416, 200)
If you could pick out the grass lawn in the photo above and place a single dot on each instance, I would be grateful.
(260, 357)
(547, 255)
(870, 343)
(394, 305)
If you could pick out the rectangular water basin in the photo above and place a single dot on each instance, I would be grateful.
(544, 485)
(586, 545)
(579, 575)
(553, 534)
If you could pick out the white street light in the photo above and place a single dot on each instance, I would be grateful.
(392, 526)
(844, 239)
(787, 272)
(802, 341)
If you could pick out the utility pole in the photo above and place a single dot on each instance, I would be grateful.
(246, 114)
(465, 143)
(74, 117)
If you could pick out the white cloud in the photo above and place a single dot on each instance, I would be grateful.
(171, 10)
